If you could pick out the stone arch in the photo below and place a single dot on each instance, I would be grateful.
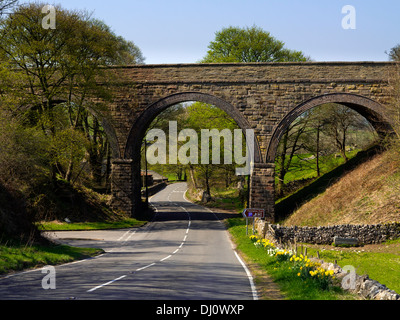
(370, 109)
(126, 184)
(140, 126)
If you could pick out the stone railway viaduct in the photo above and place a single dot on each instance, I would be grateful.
(265, 97)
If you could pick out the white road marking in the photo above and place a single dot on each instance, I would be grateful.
(129, 234)
(166, 258)
(106, 284)
(150, 265)
(121, 237)
(253, 287)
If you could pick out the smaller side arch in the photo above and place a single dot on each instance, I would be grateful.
(370, 109)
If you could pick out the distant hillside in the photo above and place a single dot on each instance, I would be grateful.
(368, 194)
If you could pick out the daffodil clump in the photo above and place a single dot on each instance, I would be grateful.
(307, 269)
(300, 265)
(253, 238)
(262, 243)
(324, 277)
(283, 255)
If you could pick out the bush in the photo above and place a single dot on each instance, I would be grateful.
(22, 168)
(23, 155)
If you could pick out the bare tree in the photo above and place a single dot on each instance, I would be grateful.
(312, 141)
(7, 5)
(394, 53)
(340, 120)
(288, 147)
(393, 109)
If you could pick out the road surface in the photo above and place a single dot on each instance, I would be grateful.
(184, 254)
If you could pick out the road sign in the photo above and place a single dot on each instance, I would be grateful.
(251, 213)
(254, 213)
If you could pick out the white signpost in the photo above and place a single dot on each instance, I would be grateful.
(252, 213)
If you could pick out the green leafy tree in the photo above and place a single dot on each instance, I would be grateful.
(204, 116)
(58, 68)
(176, 113)
(253, 44)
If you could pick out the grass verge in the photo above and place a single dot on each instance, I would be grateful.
(383, 267)
(222, 198)
(17, 257)
(101, 225)
(292, 286)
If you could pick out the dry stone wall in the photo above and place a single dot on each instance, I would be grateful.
(361, 285)
(365, 234)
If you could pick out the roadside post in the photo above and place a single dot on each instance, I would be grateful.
(252, 213)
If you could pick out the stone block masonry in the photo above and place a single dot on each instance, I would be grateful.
(263, 93)
(262, 189)
(121, 186)
(263, 97)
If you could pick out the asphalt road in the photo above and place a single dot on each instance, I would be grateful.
(184, 254)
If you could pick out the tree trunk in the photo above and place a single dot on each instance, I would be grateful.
(318, 137)
(282, 171)
(207, 178)
(192, 177)
(68, 174)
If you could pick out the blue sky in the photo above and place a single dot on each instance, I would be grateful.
(177, 31)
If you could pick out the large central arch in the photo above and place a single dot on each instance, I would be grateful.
(140, 126)
(138, 131)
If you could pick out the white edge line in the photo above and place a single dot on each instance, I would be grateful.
(253, 287)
